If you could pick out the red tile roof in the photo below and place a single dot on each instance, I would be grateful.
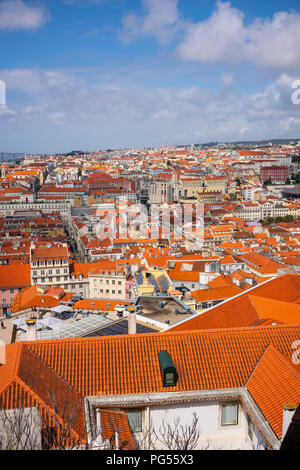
(256, 304)
(14, 276)
(215, 293)
(127, 364)
(112, 420)
(271, 382)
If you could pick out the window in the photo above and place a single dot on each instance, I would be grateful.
(58, 271)
(119, 292)
(66, 271)
(250, 427)
(135, 420)
(50, 279)
(229, 414)
(49, 271)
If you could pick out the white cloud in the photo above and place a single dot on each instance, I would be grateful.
(165, 114)
(161, 19)
(227, 78)
(57, 118)
(36, 80)
(7, 112)
(16, 14)
(224, 37)
(84, 115)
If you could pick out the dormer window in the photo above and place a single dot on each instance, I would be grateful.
(168, 371)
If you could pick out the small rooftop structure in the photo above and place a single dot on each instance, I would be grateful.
(171, 312)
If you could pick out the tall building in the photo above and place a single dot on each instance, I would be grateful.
(277, 174)
(49, 264)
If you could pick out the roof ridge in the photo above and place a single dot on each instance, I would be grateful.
(41, 401)
(256, 365)
(203, 331)
(282, 359)
(27, 348)
(16, 364)
(240, 294)
(249, 297)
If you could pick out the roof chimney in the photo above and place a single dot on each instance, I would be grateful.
(98, 422)
(131, 320)
(31, 330)
(99, 443)
(117, 439)
(288, 413)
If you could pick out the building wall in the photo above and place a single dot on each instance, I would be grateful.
(107, 286)
(51, 272)
(213, 436)
(6, 299)
(63, 207)
(160, 191)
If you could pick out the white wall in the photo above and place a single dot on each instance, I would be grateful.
(213, 435)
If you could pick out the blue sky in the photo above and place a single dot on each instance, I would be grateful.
(93, 74)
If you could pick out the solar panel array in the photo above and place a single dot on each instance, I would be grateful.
(139, 278)
(152, 281)
(74, 329)
(163, 283)
(119, 327)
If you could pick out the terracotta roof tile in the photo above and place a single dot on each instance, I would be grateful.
(129, 364)
(255, 304)
(274, 383)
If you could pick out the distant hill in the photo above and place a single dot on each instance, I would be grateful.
(243, 143)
